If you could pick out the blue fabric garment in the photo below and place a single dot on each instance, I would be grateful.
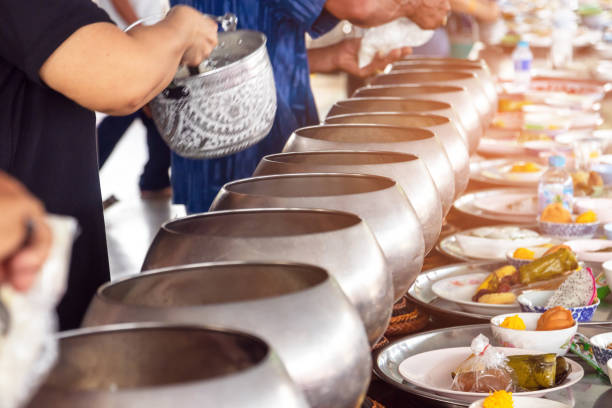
(285, 23)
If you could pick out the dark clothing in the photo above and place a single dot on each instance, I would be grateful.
(155, 173)
(285, 23)
(47, 141)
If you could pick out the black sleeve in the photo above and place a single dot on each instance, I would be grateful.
(31, 30)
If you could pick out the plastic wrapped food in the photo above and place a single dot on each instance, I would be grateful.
(485, 370)
(534, 372)
(548, 266)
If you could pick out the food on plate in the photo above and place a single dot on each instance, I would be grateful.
(499, 399)
(579, 289)
(524, 137)
(514, 323)
(524, 253)
(557, 213)
(489, 370)
(555, 248)
(525, 167)
(534, 372)
(587, 217)
(485, 370)
(549, 266)
(497, 283)
(585, 183)
(556, 318)
(609, 346)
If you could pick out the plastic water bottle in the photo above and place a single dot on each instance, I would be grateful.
(522, 58)
(556, 185)
(564, 31)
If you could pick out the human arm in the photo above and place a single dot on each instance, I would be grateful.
(343, 56)
(427, 14)
(483, 10)
(104, 69)
(125, 10)
(19, 263)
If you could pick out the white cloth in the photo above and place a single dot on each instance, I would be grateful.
(142, 8)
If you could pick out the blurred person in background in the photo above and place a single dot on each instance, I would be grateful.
(483, 11)
(285, 23)
(25, 238)
(60, 61)
(155, 178)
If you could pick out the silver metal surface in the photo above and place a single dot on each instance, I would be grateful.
(421, 291)
(484, 76)
(465, 204)
(467, 80)
(420, 142)
(455, 147)
(583, 394)
(339, 242)
(165, 366)
(463, 107)
(406, 169)
(379, 201)
(228, 107)
(298, 309)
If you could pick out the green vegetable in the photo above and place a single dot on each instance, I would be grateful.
(548, 266)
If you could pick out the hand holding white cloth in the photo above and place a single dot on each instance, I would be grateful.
(396, 34)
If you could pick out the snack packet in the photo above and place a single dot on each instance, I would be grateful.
(485, 370)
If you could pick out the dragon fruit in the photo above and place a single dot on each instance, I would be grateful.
(577, 290)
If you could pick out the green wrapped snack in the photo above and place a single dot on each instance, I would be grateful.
(534, 372)
(563, 370)
(548, 266)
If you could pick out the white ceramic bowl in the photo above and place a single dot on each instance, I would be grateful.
(549, 341)
(585, 249)
(608, 230)
(527, 402)
(602, 353)
(535, 301)
(601, 206)
(607, 267)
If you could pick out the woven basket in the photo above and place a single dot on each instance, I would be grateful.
(406, 320)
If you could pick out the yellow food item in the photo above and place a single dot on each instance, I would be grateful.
(527, 167)
(587, 217)
(556, 318)
(499, 399)
(556, 213)
(503, 298)
(524, 253)
(514, 323)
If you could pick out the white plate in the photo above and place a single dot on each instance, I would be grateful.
(521, 204)
(460, 290)
(493, 242)
(601, 206)
(468, 203)
(584, 249)
(432, 371)
(503, 175)
(500, 147)
(527, 402)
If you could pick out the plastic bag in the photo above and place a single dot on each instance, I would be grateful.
(29, 349)
(486, 370)
(387, 37)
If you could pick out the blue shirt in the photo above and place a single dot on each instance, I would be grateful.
(285, 23)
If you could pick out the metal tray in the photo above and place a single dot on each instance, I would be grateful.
(465, 204)
(591, 391)
(421, 293)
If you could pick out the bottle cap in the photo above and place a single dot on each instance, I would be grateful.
(523, 43)
(556, 161)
